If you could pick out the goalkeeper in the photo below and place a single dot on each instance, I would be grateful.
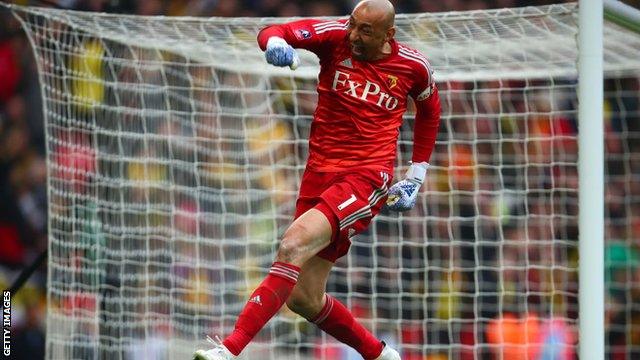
(364, 83)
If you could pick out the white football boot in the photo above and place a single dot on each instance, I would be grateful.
(388, 354)
(218, 352)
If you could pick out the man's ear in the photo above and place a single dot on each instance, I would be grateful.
(390, 33)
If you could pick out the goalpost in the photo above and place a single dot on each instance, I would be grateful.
(591, 170)
(175, 153)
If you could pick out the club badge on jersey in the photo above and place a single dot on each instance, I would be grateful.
(392, 81)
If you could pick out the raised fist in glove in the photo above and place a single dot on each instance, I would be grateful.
(403, 194)
(279, 53)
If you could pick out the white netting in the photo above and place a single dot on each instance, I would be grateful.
(175, 154)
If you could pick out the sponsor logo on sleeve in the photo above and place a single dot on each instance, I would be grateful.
(303, 34)
(426, 93)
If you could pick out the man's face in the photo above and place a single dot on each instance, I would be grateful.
(367, 34)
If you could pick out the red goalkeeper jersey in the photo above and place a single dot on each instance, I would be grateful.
(361, 103)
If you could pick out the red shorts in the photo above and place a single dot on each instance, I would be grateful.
(348, 199)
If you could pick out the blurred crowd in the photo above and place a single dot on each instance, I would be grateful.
(532, 290)
(278, 8)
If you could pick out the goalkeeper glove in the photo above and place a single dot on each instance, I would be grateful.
(279, 53)
(403, 194)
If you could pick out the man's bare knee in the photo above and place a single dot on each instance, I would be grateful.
(309, 234)
(289, 254)
(291, 250)
(296, 245)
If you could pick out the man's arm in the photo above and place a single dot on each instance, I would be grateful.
(278, 41)
(403, 194)
(426, 127)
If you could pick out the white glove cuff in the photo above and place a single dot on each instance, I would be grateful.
(276, 41)
(417, 172)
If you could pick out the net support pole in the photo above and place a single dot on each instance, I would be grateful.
(591, 179)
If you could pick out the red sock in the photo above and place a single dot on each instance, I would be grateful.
(263, 304)
(336, 320)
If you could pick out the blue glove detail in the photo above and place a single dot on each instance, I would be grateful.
(403, 195)
(408, 188)
(279, 53)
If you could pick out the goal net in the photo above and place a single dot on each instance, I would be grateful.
(175, 154)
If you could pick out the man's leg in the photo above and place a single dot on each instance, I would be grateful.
(310, 301)
(308, 234)
(308, 296)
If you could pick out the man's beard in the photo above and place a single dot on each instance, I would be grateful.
(361, 53)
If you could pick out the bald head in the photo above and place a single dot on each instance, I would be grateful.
(380, 11)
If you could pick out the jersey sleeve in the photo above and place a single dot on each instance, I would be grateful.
(317, 36)
(427, 100)
(424, 84)
(426, 127)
